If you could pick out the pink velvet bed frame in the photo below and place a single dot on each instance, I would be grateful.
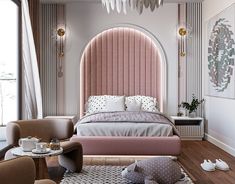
(123, 61)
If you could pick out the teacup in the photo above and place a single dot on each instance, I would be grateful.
(41, 146)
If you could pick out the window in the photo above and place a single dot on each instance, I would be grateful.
(9, 60)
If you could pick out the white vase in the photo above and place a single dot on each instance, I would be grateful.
(192, 114)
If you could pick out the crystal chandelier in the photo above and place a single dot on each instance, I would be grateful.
(122, 5)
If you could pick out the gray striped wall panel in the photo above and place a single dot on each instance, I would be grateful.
(48, 58)
(194, 53)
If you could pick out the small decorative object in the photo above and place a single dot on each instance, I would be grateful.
(221, 54)
(55, 144)
(154, 170)
(180, 113)
(192, 107)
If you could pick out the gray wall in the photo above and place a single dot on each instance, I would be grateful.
(51, 15)
(219, 111)
(194, 54)
(48, 58)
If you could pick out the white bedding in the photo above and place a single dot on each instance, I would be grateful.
(125, 123)
(124, 129)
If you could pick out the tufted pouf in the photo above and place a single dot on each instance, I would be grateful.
(154, 170)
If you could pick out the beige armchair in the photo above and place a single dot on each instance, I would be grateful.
(47, 129)
(20, 170)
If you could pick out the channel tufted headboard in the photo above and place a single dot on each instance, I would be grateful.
(121, 61)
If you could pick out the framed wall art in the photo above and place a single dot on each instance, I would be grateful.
(220, 70)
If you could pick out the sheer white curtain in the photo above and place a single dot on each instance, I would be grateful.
(32, 97)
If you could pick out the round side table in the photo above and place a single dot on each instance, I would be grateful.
(39, 160)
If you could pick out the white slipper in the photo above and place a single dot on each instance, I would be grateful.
(221, 165)
(208, 165)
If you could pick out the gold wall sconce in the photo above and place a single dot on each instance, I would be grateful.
(184, 32)
(61, 33)
(60, 49)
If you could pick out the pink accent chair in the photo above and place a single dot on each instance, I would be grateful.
(47, 129)
(20, 170)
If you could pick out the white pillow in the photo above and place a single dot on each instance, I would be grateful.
(148, 103)
(96, 104)
(115, 103)
(133, 105)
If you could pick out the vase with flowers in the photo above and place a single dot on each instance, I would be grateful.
(191, 107)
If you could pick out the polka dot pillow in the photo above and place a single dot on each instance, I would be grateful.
(98, 103)
(148, 103)
(95, 104)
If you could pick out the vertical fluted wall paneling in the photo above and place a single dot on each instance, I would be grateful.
(181, 60)
(99, 64)
(121, 61)
(60, 20)
(194, 53)
(132, 63)
(48, 58)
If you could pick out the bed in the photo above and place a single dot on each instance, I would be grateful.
(124, 62)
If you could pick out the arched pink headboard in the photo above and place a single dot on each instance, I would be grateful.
(121, 61)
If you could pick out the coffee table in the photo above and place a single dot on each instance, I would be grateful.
(39, 160)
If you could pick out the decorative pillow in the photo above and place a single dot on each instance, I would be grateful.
(115, 103)
(148, 103)
(133, 105)
(96, 104)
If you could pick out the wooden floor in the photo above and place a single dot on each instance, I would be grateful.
(193, 153)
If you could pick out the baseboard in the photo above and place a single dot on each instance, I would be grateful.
(220, 144)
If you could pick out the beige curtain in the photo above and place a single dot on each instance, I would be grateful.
(34, 17)
(31, 98)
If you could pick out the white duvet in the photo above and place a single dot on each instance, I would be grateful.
(125, 123)
(124, 129)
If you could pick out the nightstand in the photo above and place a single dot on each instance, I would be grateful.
(189, 128)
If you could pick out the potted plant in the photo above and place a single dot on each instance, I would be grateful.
(191, 107)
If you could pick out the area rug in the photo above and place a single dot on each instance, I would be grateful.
(104, 175)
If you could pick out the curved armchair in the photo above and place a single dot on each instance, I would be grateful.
(21, 171)
(47, 129)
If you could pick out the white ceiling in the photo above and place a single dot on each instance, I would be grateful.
(88, 1)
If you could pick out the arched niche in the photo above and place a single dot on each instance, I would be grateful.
(123, 61)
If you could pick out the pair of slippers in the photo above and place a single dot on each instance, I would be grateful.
(207, 165)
